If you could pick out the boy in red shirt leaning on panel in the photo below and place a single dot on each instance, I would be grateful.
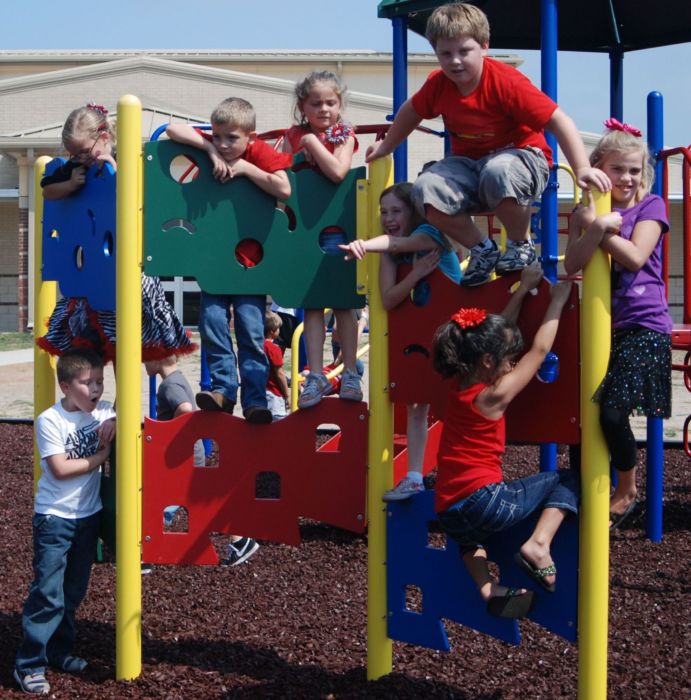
(500, 160)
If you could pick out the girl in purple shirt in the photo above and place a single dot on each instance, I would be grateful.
(640, 363)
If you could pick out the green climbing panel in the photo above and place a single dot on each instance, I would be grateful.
(193, 225)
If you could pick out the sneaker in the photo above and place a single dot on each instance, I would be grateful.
(350, 386)
(32, 683)
(259, 415)
(74, 664)
(240, 551)
(146, 569)
(480, 266)
(516, 257)
(405, 488)
(214, 401)
(317, 386)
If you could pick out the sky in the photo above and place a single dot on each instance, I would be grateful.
(308, 24)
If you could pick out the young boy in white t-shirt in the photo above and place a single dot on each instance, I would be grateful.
(73, 438)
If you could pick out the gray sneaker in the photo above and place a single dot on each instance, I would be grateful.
(317, 386)
(350, 386)
(480, 266)
(516, 257)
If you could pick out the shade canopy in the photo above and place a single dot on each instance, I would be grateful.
(586, 25)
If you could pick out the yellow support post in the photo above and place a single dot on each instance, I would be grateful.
(380, 440)
(593, 591)
(128, 306)
(45, 294)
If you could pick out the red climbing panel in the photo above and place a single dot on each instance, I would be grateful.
(541, 412)
(325, 485)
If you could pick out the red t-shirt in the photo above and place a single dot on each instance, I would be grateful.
(504, 111)
(248, 252)
(275, 357)
(470, 449)
(262, 155)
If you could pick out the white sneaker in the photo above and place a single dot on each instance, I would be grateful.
(405, 488)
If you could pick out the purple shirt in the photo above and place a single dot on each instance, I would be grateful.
(638, 298)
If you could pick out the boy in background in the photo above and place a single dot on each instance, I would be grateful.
(73, 438)
(234, 151)
(500, 160)
(174, 397)
(277, 392)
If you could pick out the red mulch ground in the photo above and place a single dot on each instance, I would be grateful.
(291, 623)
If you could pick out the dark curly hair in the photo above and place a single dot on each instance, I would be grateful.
(457, 351)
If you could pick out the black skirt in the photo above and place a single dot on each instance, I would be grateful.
(639, 376)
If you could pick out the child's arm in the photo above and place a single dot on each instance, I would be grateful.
(278, 376)
(563, 127)
(530, 278)
(388, 244)
(276, 184)
(334, 165)
(494, 400)
(188, 135)
(586, 231)
(60, 190)
(633, 253)
(392, 292)
(405, 122)
(62, 467)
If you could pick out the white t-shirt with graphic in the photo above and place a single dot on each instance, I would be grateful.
(74, 433)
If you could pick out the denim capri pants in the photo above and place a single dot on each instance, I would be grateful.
(497, 507)
(459, 184)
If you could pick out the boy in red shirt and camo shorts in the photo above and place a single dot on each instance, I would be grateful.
(500, 160)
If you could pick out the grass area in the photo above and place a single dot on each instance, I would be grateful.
(16, 341)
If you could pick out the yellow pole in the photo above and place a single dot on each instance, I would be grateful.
(380, 442)
(594, 540)
(45, 294)
(128, 306)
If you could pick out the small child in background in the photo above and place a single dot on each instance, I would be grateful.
(640, 362)
(89, 137)
(328, 143)
(500, 159)
(235, 151)
(277, 392)
(407, 239)
(73, 438)
(174, 397)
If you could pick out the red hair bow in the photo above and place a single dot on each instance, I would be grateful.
(470, 317)
(615, 125)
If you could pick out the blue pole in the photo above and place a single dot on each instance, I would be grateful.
(152, 397)
(549, 206)
(400, 90)
(654, 454)
(616, 83)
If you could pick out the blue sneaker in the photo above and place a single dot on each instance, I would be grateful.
(516, 256)
(481, 265)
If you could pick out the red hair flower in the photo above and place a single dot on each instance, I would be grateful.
(469, 318)
(339, 133)
(615, 125)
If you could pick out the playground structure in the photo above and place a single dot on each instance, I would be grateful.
(210, 497)
(129, 198)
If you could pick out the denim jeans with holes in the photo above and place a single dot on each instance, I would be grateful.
(497, 507)
(63, 554)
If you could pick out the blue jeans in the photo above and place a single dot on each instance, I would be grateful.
(214, 327)
(63, 554)
(497, 507)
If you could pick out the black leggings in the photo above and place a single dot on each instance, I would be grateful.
(619, 436)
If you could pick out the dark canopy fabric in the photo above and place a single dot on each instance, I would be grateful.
(584, 25)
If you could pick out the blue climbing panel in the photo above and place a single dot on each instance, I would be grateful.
(79, 238)
(449, 592)
(196, 226)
